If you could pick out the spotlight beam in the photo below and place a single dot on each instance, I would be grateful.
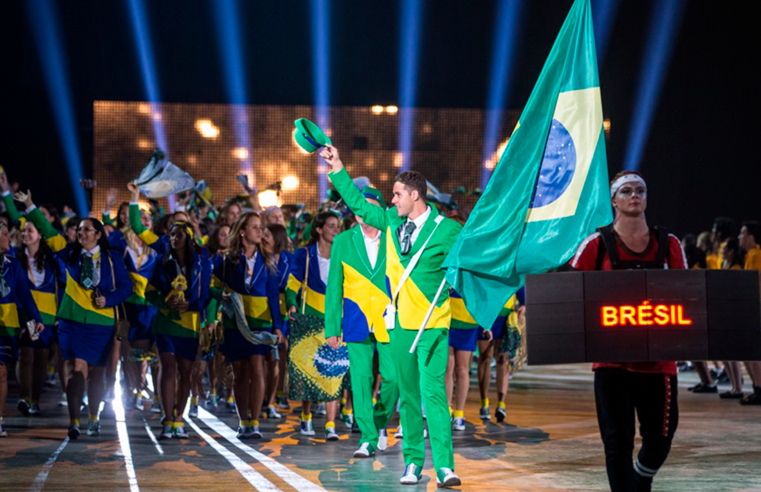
(409, 50)
(226, 15)
(42, 16)
(665, 19)
(603, 16)
(506, 33)
(320, 15)
(148, 68)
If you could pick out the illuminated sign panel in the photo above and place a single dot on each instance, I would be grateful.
(643, 315)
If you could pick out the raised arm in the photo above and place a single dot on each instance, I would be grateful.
(105, 216)
(5, 189)
(145, 234)
(373, 215)
(52, 237)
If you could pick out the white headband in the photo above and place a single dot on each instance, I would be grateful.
(626, 178)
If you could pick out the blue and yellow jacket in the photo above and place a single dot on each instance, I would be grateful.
(284, 265)
(17, 294)
(315, 289)
(356, 295)
(76, 304)
(171, 323)
(261, 299)
(45, 296)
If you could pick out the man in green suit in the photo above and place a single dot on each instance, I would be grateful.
(354, 302)
(413, 225)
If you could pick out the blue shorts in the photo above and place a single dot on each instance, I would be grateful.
(91, 343)
(140, 319)
(236, 348)
(45, 340)
(497, 329)
(182, 347)
(463, 339)
(8, 349)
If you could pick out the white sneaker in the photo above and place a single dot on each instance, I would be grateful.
(306, 428)
(272, 413)
(156, 406)
(253, 432)
(348, 420)
(320, 410)
(501, 414)
(179, 432)
(450, 479)
(399, 434)
(458, 424)
(167, 432)
(331, 434)
(382, 440)
(425, 432)
(139, 402)
(484, 414)
(364, 451)
(411, 475)
(193, 412)
(64, 402)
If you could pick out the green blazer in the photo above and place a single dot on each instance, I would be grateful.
(356, 296)
(419, 290)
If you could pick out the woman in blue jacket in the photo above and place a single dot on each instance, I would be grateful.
(14, 292)
(179, 287)
(249, 271)
(96, 283)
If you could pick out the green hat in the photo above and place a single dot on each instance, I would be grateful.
(376, 195)
(309, 136)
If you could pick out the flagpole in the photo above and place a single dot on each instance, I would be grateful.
(428, 315)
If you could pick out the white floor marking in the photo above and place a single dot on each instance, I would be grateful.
(121, 430)
(42, 477)
(291, 478)
(252, 476)
(153, 438)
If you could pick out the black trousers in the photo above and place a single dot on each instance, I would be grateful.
(619, 394)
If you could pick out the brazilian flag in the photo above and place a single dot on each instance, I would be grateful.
(316, 371)
(550, 187)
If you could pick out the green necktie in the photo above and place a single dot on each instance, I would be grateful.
(409, 228)
(86, 272)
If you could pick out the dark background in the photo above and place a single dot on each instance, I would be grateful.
(699, 159)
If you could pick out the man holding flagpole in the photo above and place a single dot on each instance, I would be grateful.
(418, 239)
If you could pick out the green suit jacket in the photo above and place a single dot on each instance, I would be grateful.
(419, 290)
(356, 296)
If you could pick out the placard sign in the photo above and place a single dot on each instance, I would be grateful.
(643, 315)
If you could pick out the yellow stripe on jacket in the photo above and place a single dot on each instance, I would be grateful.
(412, 304)
(9, 316)
(46, 302)
(83, 298)
(139, 284)
(371, 300)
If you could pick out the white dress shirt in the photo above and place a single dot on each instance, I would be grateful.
(419, 222)
(371, 246)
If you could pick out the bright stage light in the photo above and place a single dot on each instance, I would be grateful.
(410, 32)
(240, 153)
(398, 159)
(507, 30)
(290, 183)
(268, 198)
(50, 43)
(392, 109)
(144, 143)
(665, 19)
(143, 108)
(140, 30)
(206, 128)
(377, 109)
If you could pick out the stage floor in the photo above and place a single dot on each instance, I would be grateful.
(549, 443)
